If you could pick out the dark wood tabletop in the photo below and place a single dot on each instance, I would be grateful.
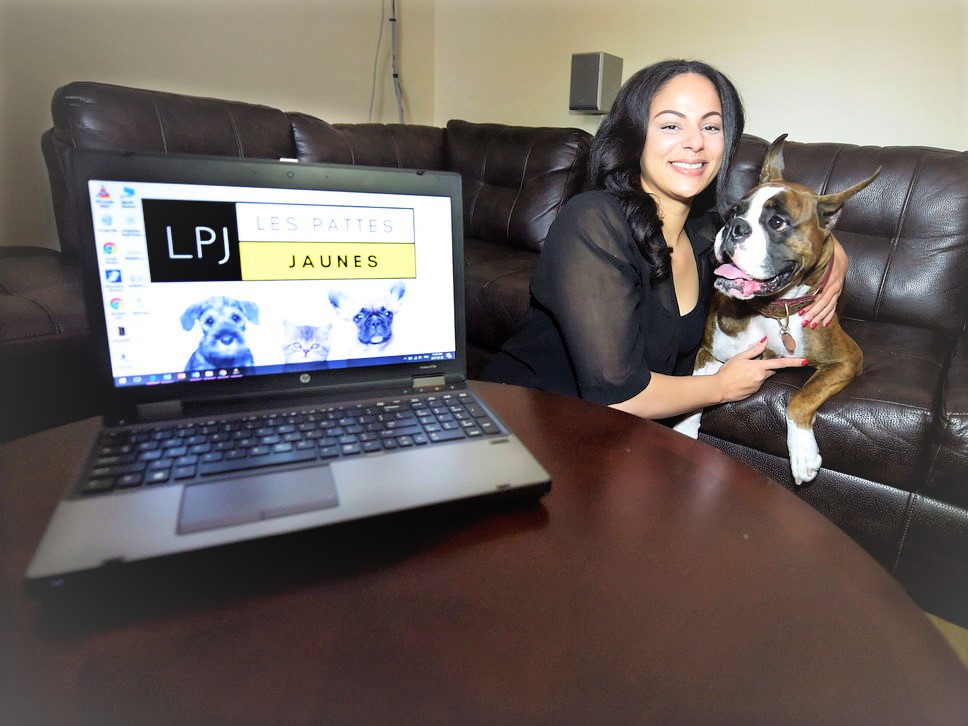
(658, 582)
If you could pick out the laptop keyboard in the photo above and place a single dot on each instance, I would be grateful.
(190, 451)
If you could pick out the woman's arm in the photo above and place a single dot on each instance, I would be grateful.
(822, 310)
(739, 377)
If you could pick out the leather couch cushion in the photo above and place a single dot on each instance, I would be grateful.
(496, 284)
(879, 428)
(41, 294)
(46, 367)
(515, 178)
(395, 145)
(934, 550)
(947, 480)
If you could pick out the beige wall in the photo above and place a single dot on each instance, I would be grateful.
(315, 56)
(860, 71)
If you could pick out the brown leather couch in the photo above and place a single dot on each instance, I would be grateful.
(895, 442)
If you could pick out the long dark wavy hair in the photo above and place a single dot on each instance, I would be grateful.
(614, 162)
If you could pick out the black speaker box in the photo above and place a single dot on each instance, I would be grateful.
(595, 79)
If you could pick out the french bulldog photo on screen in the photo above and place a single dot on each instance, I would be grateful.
(776, 251)
(371, 317)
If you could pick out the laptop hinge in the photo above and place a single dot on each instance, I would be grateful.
(159, 410)
(429, 381)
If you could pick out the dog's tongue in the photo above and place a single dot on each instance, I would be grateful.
(731, 272)
(742, 285)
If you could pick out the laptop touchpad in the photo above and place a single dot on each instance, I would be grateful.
(254, 498)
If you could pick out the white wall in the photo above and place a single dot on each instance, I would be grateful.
(859, 71)
(315, 56)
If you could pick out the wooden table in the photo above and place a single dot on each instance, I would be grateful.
(659, 582)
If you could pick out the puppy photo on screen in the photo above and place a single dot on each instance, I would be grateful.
(223, 344)
(365, 319)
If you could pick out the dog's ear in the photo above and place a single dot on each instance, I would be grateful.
(189, 317)
(340, 302)
(251, 310)
(829, 205)
(772, 168)
(396, 295)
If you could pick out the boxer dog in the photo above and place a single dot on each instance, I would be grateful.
(776, 251)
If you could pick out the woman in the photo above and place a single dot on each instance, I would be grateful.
(621, 289)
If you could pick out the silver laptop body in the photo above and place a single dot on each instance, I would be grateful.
(282, 348)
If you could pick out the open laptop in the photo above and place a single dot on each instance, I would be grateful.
(282, 347)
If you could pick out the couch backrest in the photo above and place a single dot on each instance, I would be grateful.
(515, 178)
(405, 146)
(89, 115)
(906, 234)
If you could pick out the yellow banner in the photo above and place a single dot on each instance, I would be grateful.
(327, 260)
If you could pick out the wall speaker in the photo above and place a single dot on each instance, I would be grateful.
(595, 79)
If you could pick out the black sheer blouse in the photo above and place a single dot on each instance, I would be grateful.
(596, 326)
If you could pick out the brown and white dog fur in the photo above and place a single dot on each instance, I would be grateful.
(775, 248)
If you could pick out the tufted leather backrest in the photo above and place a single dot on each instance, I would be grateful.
(515, 178)
(906, 234)
(397, 145)
(90, 115)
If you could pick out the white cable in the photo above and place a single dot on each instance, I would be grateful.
(376, 60)
(393, 59)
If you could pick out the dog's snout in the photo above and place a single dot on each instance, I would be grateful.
(737, 229)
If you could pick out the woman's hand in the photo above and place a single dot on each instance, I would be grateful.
(822, 310)
(742, 376)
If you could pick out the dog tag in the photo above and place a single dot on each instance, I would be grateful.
(788, 342)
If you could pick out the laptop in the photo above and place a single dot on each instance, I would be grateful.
(282, 348)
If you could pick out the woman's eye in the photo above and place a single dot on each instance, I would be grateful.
(777, 224)
(669, 127)
(712, 128)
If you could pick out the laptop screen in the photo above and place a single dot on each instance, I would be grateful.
(206, 282)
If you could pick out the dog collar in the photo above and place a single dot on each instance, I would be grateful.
(783, 307)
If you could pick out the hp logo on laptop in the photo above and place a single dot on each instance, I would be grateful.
(304, 378)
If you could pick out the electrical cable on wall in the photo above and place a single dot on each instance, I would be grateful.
(376, 61)
(394, 74)
(398, 91)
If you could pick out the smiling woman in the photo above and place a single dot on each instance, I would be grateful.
(623, 284)
(684, 143)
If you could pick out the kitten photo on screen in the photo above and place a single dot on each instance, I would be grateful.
(305, 343)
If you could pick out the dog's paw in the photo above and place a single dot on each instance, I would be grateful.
(689, 425)
(805, 458)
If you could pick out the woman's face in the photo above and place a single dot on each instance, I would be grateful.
(684, 140)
